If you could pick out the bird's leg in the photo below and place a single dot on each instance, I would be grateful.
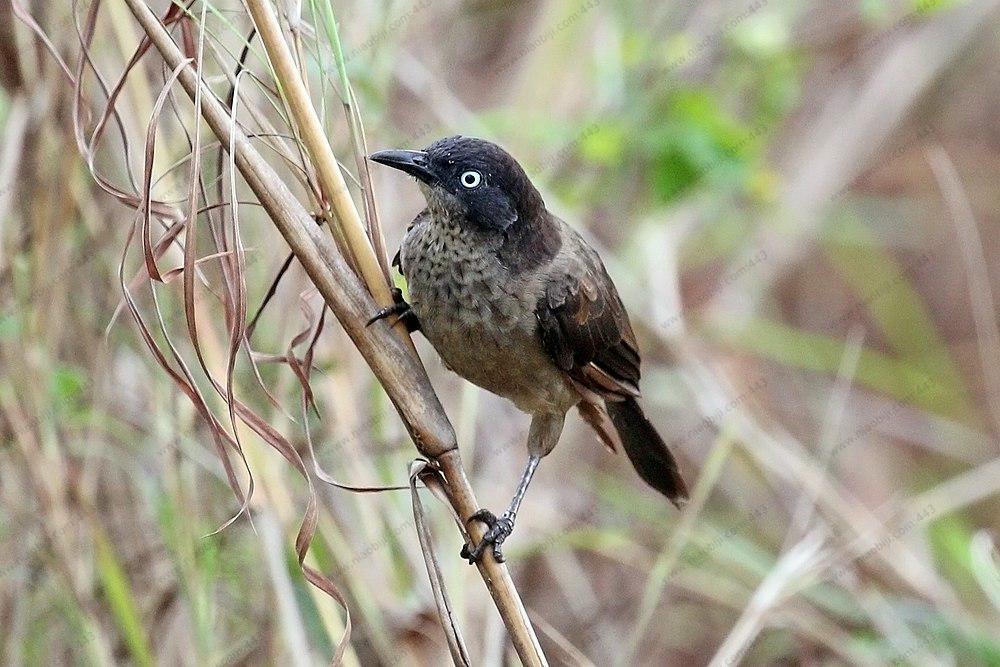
(399, 307)
(502, 526)
(542, 437)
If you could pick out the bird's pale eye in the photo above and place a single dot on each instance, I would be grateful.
(471, 178)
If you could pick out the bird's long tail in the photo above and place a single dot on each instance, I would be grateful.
(645, 448)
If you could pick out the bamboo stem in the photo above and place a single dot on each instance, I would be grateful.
(390, 356)
(331, 180)
(495, 575)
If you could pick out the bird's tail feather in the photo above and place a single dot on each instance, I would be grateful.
(595, 415)
(645, 448)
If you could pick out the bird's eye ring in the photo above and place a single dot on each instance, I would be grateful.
(471, 178)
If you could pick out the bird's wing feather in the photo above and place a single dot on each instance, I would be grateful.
(585, 330)
(584, 326)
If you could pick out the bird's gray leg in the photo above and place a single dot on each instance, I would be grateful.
(522, 487)
(500, 526)
(542, 437)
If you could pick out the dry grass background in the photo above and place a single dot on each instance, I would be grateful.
(799, 203)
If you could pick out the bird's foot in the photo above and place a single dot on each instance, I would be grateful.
(399, 307)
(500, 528)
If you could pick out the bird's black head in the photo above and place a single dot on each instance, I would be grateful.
(470, 179)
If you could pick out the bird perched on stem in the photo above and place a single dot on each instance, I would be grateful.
(515, 301)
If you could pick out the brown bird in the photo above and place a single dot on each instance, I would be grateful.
(515, 301)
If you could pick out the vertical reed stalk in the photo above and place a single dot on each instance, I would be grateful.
(390, 355)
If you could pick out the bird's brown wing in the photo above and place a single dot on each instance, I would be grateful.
(586, 332)
(584, 327)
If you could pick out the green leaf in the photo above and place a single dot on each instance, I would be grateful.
(10, 326)
(885, 293)
(909, 382)
(119, 595)
(67, 384)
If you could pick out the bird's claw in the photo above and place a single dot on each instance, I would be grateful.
(499, 529)
(399, 307)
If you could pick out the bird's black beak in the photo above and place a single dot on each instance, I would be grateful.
(414, 163)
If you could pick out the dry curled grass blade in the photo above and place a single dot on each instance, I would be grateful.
(272, 289)
(185, 383)
(87, 148)
(325, 476)
(420, 469)
(150, 262)
(29, 21)
(235, 305)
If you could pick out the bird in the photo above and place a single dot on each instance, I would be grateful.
(515, 301)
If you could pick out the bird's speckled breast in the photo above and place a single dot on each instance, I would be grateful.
(479, 317)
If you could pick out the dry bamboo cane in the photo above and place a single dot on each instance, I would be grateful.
(331, 180)
(390, 355)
